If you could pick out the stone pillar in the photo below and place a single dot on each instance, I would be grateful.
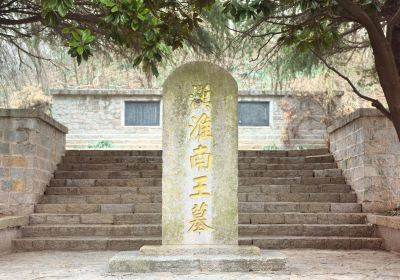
(200, 181)
(200, 154)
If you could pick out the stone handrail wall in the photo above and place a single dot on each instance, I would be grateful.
(367, 149)
(31, 146)
(387, 228)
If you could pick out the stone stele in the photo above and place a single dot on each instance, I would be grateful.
(199, 181)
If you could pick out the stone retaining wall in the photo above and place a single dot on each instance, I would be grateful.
(388, 228)
(9, 230)
(31, 146)
(367, 149)
(92, 115)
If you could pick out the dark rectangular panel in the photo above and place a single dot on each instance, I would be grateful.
(138, 113)
(253, 113)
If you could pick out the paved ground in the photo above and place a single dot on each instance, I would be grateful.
(302, 264)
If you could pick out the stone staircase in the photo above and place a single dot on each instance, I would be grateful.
(111, 200)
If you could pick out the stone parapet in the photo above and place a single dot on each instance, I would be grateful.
(112, 92)
(366, 148)
(31, 146)
(156, 91)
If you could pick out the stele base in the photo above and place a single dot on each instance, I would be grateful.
(196, 258)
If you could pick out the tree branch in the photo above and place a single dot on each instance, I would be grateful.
(27, 52)
(362, 17)
(374, 102)
(392, 23)
(6, 21)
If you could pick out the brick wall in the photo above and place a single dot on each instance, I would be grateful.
(367, 149)
(92, 115)
(31, 145)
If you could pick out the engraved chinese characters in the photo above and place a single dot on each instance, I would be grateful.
(199, 187)
(201, 159)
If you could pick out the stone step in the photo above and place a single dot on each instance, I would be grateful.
(115, 219)
(252, 153)
(249, 181)
(268, 189)
(271, 189)
(111, 159)
(266, 165)
(155, 230)
(242, 197)
(78, 208)
(108, 166)
(131, 145)
(132, 243)
(101, 199)
(158, 166)
(105, 174)
(155, 218)
(96, 190)
(114, 153)
(127, 174)
(298, 197)
(313, 242)
(302, 218)
(105, 182)
(91, 230)
(244, 207)
(298, 207)
(352, 230)
(81, 243)
(152, 159)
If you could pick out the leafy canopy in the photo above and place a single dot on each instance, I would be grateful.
(150, 28)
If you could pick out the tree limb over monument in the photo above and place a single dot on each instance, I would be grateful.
(152, 29)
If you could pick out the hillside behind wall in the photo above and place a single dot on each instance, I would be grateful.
(95, 115)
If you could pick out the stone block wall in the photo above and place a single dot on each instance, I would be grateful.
(367, 149)
(31, 146)
(92, 115)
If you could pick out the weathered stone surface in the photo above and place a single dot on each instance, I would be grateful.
(28, 162)
(133, 261)
(366, 148)
(181, 137)
(13, 221)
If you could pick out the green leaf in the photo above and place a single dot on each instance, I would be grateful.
(137, 61)
(107, 3)
(154, 70)
(75, 35)
(79, 50)
(79, 59)
(73, 44)
(134, 25)
(142, 17)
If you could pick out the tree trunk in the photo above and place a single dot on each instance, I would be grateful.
(389, 78)
(385, 59)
